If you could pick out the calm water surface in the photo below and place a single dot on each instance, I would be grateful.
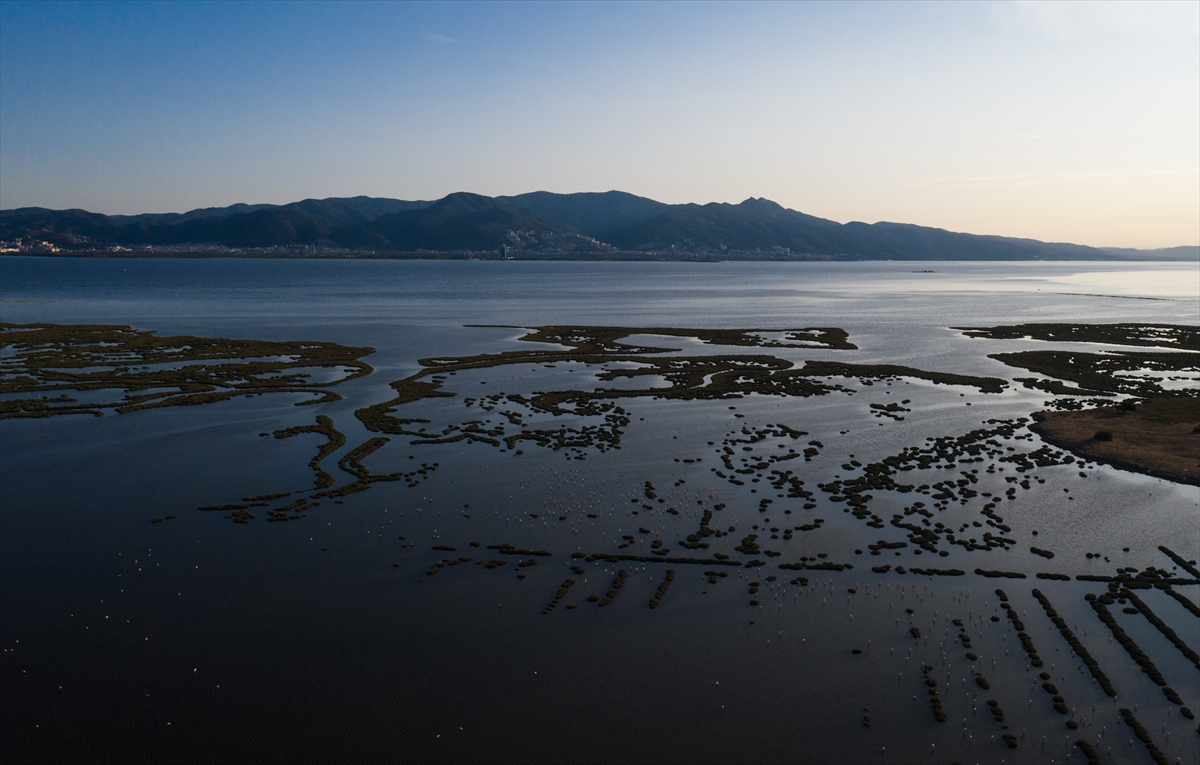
(201, 640)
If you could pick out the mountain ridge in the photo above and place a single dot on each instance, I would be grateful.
(536, 224)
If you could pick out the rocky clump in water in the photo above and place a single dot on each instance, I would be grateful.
(935, 702)
(662, 588)
(617, 584)
(1143, 736)
(1100, 606)
(1076, 646)
(562, 593)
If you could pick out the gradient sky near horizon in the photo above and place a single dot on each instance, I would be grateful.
(1071, 122)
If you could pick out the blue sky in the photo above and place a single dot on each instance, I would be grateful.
(1067, 122)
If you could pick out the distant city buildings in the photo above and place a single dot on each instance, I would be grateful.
(26, 245)
(517, 245)
(550, 243)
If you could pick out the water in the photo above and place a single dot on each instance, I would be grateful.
(200, 639)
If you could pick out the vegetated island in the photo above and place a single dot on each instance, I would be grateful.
(1158, 437)
(689, 377)
(54, 369)
(1156, 431)
(1176, 336)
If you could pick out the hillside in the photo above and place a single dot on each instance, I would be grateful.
(539, 224)
(756, 224)
(460, 221)
(600, 215)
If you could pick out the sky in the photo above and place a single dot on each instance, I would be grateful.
(1075, 122)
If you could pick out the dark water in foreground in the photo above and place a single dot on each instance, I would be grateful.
(198, 639)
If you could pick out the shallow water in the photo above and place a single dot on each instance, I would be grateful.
(199, 639)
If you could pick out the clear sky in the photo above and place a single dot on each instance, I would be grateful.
(1064, 122)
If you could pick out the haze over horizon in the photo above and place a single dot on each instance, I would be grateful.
(1059, 122)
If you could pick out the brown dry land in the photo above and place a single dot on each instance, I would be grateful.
(1160, 437)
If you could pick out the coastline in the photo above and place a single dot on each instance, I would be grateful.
(1137, 440)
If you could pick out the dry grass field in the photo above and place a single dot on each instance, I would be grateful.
(1159, 437)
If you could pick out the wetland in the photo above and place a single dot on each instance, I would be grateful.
(595, 512)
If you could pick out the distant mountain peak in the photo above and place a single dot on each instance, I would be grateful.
(541, 222)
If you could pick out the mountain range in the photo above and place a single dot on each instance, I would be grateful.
(539, 224)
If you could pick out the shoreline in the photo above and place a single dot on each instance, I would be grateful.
(1137, 441)
(621, 257)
